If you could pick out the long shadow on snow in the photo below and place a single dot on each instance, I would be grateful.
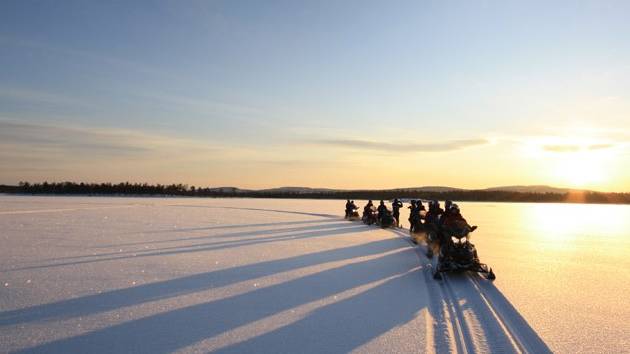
(176, 329)
(345, 325)
(513, 318)
(242, 234)
(209, 246)
(260, 209)
(117, 299)
(217, 227)
(471, 300)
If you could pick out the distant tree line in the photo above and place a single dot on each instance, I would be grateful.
(144, 189)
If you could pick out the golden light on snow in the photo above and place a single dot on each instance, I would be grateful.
(563, 223)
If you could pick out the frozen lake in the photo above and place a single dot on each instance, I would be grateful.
(88, 274)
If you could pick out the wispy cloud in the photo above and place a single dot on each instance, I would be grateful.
(204, 105)
(42, 140)
(575, 147)
(37, 96)
(600, 146)
(449, 145)
(562, 148)
(92, 56)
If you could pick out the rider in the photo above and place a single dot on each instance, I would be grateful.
(367, 209)
(415, 216)
(434, 213)
(454, 222)
(348, 208)
(447, 209)
(382, 209)
(412, 210)
(420, 206)
(432, 220)
(396, 205)
(447, 205)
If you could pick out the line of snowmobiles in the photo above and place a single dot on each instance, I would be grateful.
(455, 251)
(387, 219)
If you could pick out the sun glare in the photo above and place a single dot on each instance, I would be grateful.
(580, 169)
(574, 162)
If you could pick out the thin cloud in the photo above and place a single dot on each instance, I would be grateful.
(600, 146)
(36, 96)
(204, 106)
(575, 148)
(33, 139)
(561, 148)
(450, 145)
(92, 56)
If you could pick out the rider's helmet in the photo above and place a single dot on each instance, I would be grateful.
(382, 202)
(448, 204)
(436, 203)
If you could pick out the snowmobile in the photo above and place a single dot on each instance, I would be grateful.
(387, 220)
(352, 215)
(369, 217)
(458, 254)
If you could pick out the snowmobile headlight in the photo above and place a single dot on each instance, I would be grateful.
(455, 239)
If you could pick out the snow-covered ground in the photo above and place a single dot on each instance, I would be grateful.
(96, 275)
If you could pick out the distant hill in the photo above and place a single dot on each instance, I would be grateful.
(537, 193)
(428, 189)
(228, 190)
(529, 189)
(297, 190)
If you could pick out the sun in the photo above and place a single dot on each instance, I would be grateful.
(580, 169)
(574, 162)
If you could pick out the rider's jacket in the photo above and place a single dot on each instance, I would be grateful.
(433, 215)
(454, 219)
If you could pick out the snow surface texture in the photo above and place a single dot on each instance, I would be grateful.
(156, 275)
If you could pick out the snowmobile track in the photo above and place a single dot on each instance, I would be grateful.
(466, 318)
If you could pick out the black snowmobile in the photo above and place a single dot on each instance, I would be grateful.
(387, 220)
(352, 215)
(369, 217)
(458, 254)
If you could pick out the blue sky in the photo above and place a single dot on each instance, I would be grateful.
(311, 93)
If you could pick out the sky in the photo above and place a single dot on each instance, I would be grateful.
(338, 94)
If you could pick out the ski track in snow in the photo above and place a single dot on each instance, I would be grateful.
(469, 315)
